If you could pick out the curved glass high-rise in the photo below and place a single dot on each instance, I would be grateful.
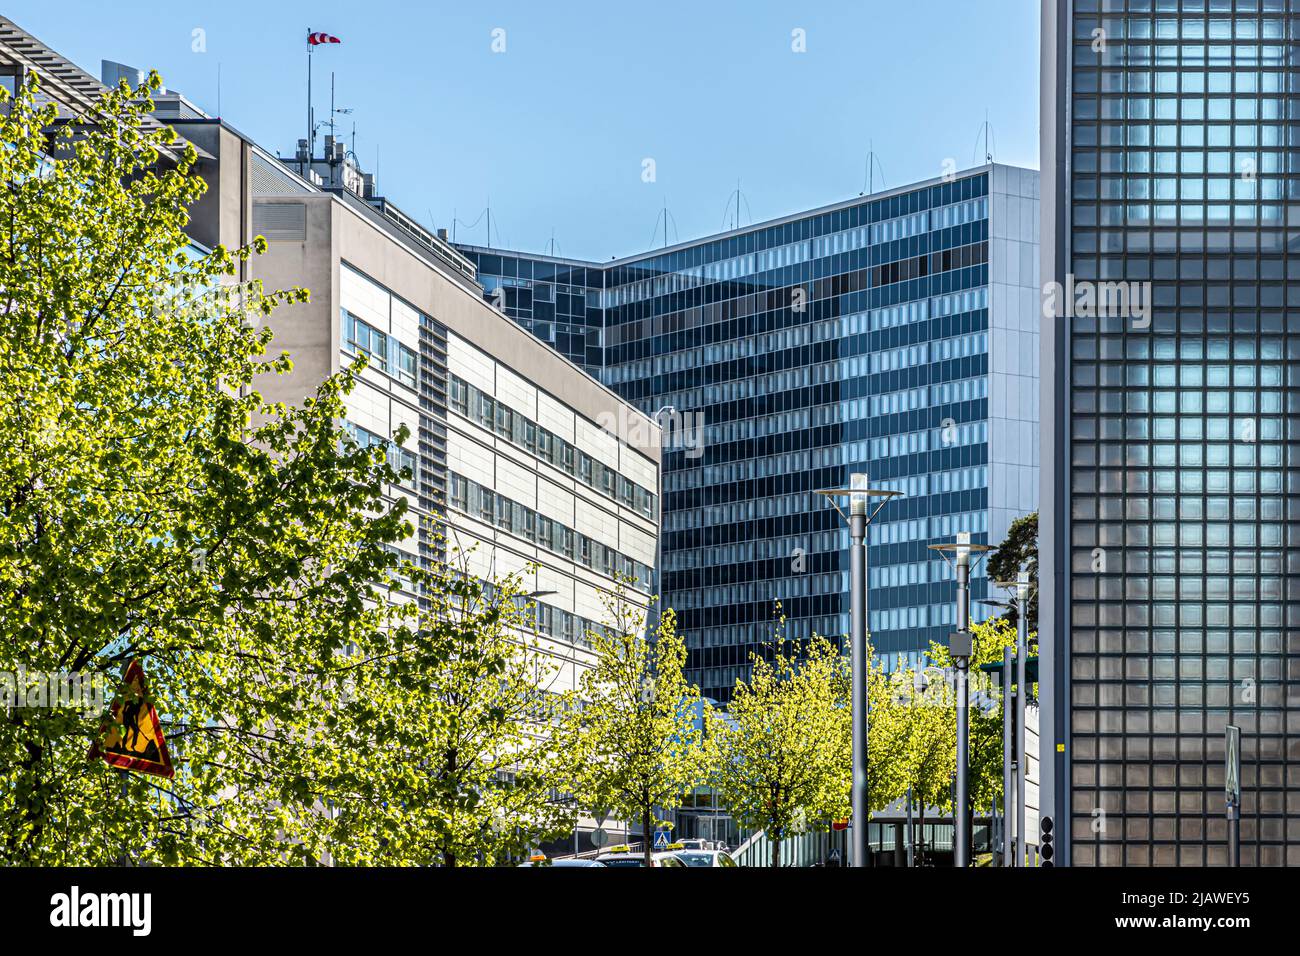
(893, 334)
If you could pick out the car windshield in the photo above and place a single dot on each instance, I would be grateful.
(696, 859)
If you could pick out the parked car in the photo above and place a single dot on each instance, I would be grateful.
(570, 862)
(695, 843)
(706, 858)
(624, 857)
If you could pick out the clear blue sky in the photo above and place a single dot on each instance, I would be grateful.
(556, 128)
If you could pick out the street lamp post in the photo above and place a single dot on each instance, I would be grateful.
(659, 508)
(1013, 731)
(859, 517)
(1232, 791)
(959, 647)
(1008, 783)
(1022, 699)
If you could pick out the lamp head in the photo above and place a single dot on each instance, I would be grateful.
(963, 548)
(858, 502)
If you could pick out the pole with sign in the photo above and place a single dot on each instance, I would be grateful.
(960, 649)
(1232, 791)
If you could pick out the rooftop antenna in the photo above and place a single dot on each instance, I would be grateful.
(738, 196)
(990, 140)
(471, 225)
(341, 111)
(552, 246)
(869, 175)
(218, 89)
(665, 216)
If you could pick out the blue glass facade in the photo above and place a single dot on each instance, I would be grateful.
(860, 337)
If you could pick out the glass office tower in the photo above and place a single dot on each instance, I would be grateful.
(894, 334)
(1170, 480)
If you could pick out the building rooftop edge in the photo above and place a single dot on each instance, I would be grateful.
(753, 227)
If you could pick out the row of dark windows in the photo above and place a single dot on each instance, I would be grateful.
(821, 279)
(926, 265)
(524, 522)
(507, 423)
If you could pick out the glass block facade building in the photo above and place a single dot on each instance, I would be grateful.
(1171, 477)
(895, 334)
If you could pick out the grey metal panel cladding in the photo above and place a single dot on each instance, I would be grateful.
(433, 432)
(280, 221)
(1054, 422)
(268, 180)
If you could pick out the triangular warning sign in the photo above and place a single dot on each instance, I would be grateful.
(134, 741)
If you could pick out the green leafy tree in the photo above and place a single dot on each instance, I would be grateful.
(454, 725)
(783, 758)
(1019, 551)
(923, 738)
(631, 739)
(988, 638)
(783, 744)
(154, 507)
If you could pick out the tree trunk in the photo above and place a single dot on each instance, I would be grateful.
(920, 844)
(647, 844)
(775, 840)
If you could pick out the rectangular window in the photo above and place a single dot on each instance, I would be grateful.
(400, 458)
(406, 361)
(459, 493)
(486, 411)
(458, 395)
(361, 338)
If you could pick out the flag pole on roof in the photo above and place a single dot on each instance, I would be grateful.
(313, 40)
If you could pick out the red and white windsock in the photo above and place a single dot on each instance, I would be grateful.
(316, 39)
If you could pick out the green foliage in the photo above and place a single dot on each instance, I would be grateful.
(443, 744)
(1019, 551)
(630, 742)
(153, 506)
(783, 758)
(988, 639)
(922, 754)
(783, 746)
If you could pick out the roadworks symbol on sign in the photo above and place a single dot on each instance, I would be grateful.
(134, 740)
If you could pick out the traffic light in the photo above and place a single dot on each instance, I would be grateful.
(1046, 851)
